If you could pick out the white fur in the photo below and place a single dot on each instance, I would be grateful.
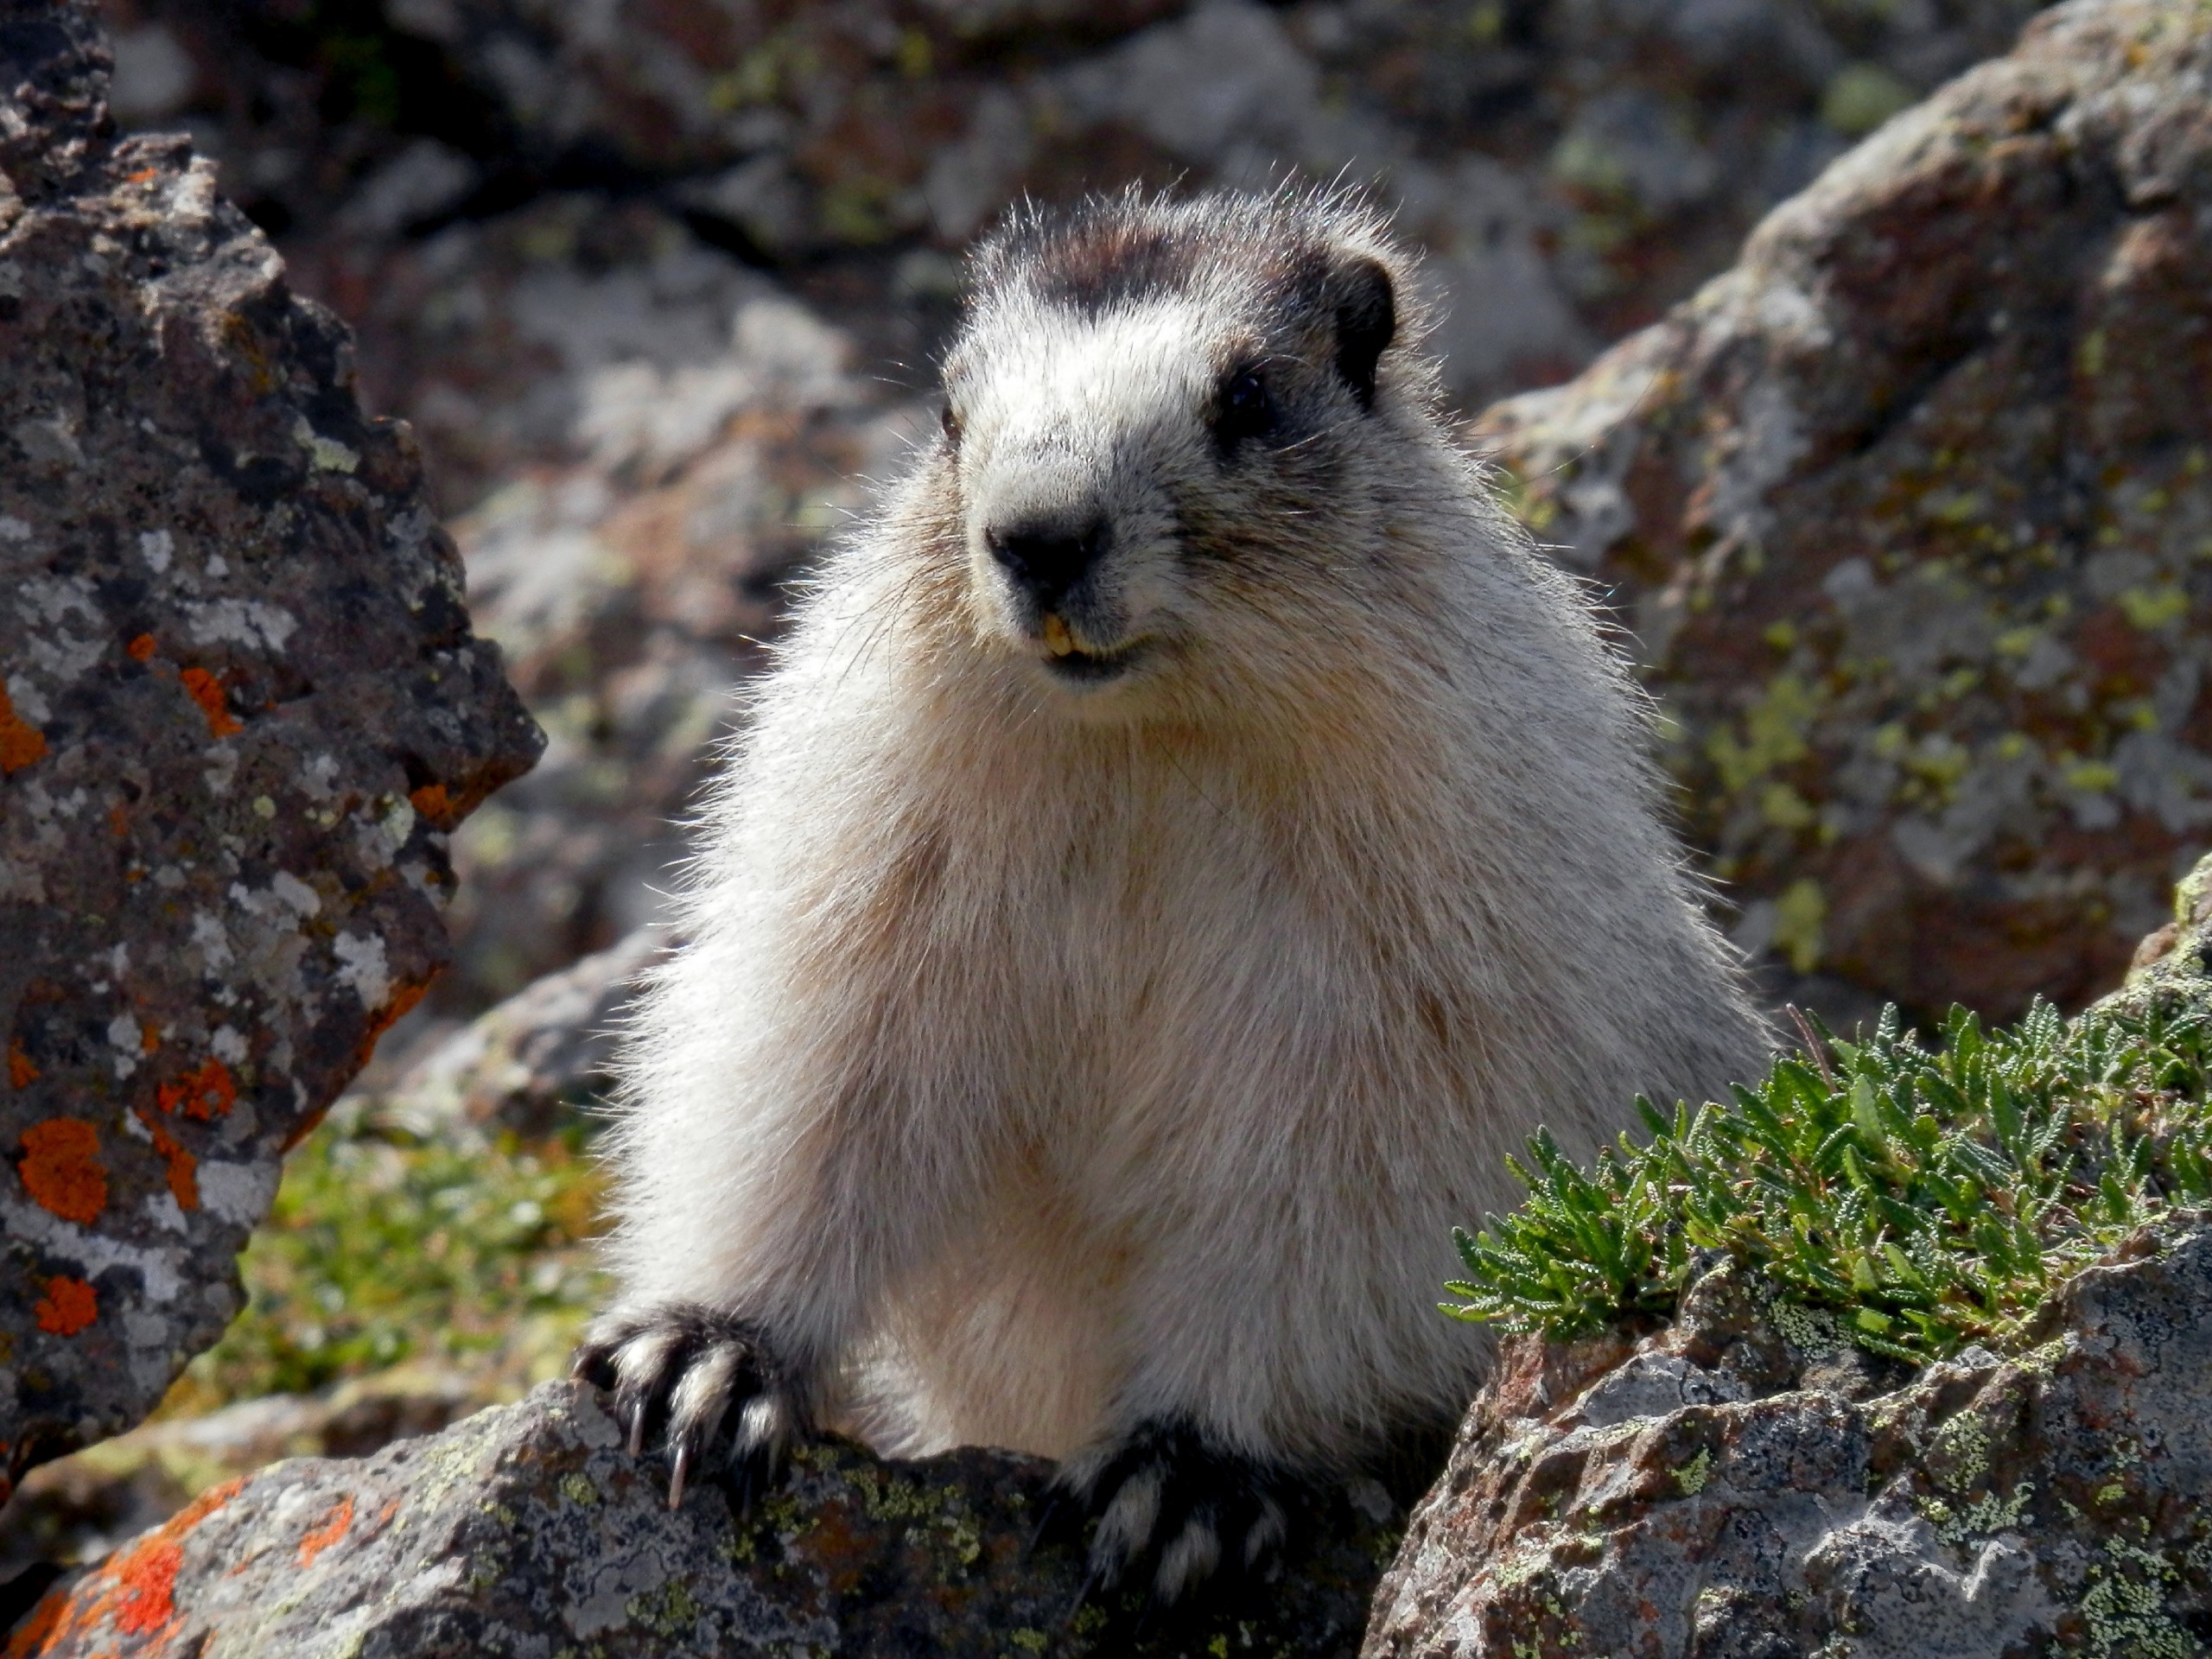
(1047, 1058)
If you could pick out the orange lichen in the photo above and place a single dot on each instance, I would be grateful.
(183, 1167)
(141, 650)
(328, 1533)
(118, 820)
(136, 1586)
(206, 1094)
(149, 1039)
(206, 690)
(20, 742)
(148, 1580)
(61, 1169)
(21, 1072)
(430, 801)
(67, 1307)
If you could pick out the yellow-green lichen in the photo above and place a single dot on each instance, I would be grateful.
(1980, 1517)
(1963, 1444)
(1811, 1331)
(1692, 1476)
(669, 1612)
(2126, 1614)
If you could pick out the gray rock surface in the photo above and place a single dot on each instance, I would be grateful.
(243, 711)
(1986, 1508)
(1908, 516)
(528, 1531)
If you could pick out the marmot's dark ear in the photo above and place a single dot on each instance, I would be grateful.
(1367, 318)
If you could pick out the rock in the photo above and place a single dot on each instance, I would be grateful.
(2173, 964)
(242, 712)
(695, 85)
(545, 1053)
(1909, 514)
(529, 1530)
(1986, 1507)
(633, 587)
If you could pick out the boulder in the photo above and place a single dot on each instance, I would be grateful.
(242, 712)
(528, 1530)
(1908, 516)
(1744, 1483)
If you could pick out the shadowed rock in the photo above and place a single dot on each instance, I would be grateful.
(240, 709)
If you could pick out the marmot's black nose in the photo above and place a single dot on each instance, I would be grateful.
(1048, 557)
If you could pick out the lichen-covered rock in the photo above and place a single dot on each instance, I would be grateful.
(1742, 1483)
(242, 711)
(528, 1530)
(1909, 516)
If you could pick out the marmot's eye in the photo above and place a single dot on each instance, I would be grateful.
(1244, 411)
(950, 421)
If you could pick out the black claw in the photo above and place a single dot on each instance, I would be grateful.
(1234, 1499)
(1059, 1520)
(645, 1358)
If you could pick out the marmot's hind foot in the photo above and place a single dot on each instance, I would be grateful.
(1177, 1508)
(699, 1378)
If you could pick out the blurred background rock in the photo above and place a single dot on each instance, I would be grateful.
(660, 283)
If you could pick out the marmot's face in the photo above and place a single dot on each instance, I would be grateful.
(1157, 455)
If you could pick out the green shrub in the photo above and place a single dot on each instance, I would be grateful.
(1931, 1198)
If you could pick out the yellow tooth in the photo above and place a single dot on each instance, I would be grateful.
(1057, 639)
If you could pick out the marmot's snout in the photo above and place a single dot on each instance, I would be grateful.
(1046, 559)
(1048, 564)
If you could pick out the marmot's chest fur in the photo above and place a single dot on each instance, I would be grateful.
(1189, 840)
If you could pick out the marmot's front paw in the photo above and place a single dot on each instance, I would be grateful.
(693, 1372)
(1176, 1506)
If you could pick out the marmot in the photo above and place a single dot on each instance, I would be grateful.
(1188, 840)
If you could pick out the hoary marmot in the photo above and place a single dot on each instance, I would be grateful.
(1189, 838)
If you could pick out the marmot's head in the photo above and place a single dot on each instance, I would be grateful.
(1165, 421)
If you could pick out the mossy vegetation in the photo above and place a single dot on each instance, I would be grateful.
(1930, 1196)
(384, 1245)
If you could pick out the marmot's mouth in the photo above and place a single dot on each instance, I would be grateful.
(1071, 661)
(1092, 668)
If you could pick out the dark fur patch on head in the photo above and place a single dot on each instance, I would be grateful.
(1311, 260)
(1109, 250)
(1098, 265)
